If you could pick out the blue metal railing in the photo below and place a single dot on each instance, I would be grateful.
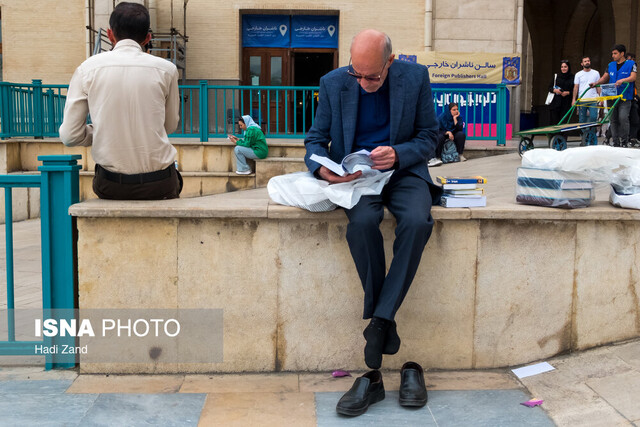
(59, 188)
(31, 110)
(212, 111)
(483, 109)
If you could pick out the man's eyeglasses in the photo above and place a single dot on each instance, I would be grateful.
(377, 78)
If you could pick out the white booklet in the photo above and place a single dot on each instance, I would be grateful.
(349, 164)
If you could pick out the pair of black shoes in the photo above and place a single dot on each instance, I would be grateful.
(369, 389)
(382, 338)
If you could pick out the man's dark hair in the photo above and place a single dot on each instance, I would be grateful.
(631, 56)
(130, 21)
(620, 48)
(586, 56)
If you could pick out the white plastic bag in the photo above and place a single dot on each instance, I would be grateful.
(303, 190)
(621, 200)
(347, 194)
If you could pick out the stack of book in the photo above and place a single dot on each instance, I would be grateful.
(554, 188)
(462, 192)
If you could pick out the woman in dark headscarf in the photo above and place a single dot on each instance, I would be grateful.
(451, 127)
(562, 89)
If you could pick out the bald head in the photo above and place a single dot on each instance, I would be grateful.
(370, 57)
(371, 43)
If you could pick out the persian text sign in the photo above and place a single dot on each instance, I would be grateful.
(478, 68)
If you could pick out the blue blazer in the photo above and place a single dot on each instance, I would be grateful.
(413, 123)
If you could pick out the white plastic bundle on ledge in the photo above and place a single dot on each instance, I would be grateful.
(303, 190)
(617, 167)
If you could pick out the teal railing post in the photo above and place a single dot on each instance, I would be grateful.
(5, 110)
(204, 111)
(59, 189)
(501, 120)
(38, 109)
(51, 113)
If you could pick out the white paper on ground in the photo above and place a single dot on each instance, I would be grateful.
(527, 371)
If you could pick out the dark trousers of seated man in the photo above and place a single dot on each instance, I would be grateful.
(159, 185)
(408, 198)
(459, 138)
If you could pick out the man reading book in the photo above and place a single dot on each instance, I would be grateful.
(385, 107)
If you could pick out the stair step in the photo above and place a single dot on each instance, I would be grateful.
(274, 166)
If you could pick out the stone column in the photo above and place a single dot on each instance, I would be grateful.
(428, 25)
(518, 50)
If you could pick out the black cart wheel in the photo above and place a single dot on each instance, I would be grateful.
(589, 137)
(559, 142)
(526, 144)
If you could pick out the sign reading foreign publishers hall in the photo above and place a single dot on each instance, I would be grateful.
(476, 68)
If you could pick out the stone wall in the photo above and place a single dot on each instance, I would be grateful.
(44, 39)
(475, 26)
(499, 290)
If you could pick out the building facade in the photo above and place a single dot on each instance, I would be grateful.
(47, 39)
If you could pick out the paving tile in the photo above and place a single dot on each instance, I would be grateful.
(387, 413)
(485, 408)
(470, 380)
(259, 409)
(126, 384)
(629, 352)
(620, 391)
(577, 367)
(34, 372)
(39, 387)
(44, 409)
(144, 409)
(324, 382)
(435, 380)
(240, 383)
(572, 403)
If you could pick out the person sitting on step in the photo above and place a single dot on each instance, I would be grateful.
(252, 146)
(451, 129)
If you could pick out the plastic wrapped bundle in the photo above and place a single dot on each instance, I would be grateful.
(553, 188)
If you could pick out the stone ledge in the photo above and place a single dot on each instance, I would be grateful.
(500, 190)
(275, 142)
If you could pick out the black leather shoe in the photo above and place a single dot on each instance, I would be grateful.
(376, 335)
(412, 389)
(392, 340)
(366, 390)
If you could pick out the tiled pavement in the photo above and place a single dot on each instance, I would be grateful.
(29, 396)
(593, 388)
(599, 387)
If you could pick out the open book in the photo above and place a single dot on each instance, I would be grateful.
(349, 164)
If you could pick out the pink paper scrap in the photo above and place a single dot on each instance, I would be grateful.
(338, 374)
(533, 402)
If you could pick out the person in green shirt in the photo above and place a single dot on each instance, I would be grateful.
(252, 146)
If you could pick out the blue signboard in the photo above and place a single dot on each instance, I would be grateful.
(511, 70)
(314, 31)
(479, 110)
(265, 31)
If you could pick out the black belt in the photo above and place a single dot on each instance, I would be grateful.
(138, 178)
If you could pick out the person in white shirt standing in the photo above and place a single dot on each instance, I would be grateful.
(133, 102)
(582, 80)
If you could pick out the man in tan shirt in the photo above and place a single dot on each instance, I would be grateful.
(132, 100)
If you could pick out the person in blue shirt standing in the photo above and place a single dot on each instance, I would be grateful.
(620, 71)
